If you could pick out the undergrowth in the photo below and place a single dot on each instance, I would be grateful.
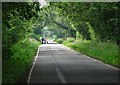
(104, 51)
(23, 53)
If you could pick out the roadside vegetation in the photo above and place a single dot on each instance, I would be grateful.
(104, 51)
(90, 28)
(22, 57)
(20, 40)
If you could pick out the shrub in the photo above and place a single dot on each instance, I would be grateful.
(60, 40)
(70, 39)
(23, 54)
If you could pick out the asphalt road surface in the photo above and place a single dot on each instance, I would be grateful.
(56, 63)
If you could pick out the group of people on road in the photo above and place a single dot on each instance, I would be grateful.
(43, 40)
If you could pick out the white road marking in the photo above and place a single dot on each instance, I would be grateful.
(59, 73)
(60, 76)
(29, 76)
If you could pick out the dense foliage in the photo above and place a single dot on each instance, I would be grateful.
(19, 39)
(92, 21)
(24, 23)
(18, 21)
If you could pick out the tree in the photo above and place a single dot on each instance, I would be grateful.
(18, 19)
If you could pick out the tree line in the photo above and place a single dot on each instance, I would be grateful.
(18, 21)
(91, 21)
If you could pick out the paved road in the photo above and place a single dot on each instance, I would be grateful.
(59, 64)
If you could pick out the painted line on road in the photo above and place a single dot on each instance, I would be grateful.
(29, 76)
(59, 73)
(60, 76)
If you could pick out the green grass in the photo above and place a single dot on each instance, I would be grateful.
(105, 52)
(60, 40)
(23, 53)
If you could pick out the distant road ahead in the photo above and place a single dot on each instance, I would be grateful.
(59, 64)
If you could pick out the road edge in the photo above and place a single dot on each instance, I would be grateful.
(29, 76)
(92, 58)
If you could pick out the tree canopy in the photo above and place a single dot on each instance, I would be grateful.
(90, 21)
(102, 18)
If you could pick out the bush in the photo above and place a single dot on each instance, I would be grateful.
(60, 40)
(23, 54)
(70, 39)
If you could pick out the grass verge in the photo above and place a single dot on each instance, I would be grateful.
(105, 52)
(23, 53)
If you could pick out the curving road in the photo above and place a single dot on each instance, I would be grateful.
(56, 63)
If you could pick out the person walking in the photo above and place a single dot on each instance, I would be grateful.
(42, 40)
